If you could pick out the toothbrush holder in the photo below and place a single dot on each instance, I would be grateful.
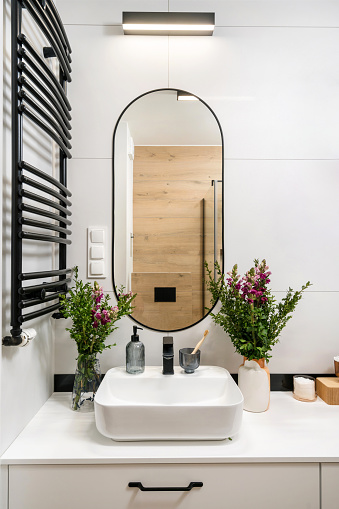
(188, 361)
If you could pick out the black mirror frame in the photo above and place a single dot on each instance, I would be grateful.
(113, 201)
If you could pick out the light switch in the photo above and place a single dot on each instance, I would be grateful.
(97, 268)
(97, 252)
(97, 236)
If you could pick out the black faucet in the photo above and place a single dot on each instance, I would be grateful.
(167, 356)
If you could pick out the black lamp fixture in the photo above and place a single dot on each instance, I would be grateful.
(168, 23)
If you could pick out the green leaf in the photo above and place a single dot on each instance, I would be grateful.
(254, 328)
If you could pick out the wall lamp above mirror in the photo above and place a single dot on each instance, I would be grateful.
(168, 207)
(168, 23)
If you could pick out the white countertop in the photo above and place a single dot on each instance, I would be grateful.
(289, 431)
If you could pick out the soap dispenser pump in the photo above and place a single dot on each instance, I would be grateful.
(135, 354)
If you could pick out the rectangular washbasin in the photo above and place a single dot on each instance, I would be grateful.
(205, 405)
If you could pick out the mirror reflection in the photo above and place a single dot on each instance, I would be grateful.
(168, 169)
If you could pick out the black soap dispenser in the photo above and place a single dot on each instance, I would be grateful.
(135, 354)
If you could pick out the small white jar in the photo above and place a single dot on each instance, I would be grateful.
(304, 388)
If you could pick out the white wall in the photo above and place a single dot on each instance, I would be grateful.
(270, 73)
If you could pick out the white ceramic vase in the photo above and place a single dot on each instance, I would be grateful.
(254, 383)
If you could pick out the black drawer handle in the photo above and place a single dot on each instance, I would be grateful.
(187, 488)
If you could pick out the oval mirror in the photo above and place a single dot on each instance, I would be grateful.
(168, 206)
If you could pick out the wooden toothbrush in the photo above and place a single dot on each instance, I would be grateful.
(200, 342)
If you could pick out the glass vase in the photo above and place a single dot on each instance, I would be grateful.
(86, 383)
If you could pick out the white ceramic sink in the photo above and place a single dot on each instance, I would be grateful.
(205, 405)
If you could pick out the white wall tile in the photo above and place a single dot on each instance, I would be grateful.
(310, 339)
(109, 71)
(274, 90)
(284, 211)
(103, 12)
(323, 13)
(90, 181)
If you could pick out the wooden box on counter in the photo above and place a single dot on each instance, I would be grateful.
(327, 388)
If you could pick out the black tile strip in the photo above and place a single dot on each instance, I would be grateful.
(279, 382)
(284, 382)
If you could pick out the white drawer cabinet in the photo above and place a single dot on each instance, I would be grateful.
(234, 486)
(329, 485)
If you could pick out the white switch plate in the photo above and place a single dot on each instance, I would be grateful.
(97, 252)
(97, 268)
(97, 235)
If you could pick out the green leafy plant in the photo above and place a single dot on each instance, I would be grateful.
(92, 316)
(249, 313)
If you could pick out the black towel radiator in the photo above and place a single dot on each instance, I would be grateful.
(39, 95)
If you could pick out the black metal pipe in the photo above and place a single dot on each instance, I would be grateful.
(56, 99)
(31, 52)
(49, 21)
(34, 302)
(14, 340)
(58, 19)
(49, 101)
(45, 128)
(64, 123)
(54, 285)
(28, 167)
(17, 147)
(40, 312)
(43, 238)
(42, 64)
(63, 180)
(54, 22)
(46, 273)
(45, 189)
(46, 226)
(45, 213)
(44, 29)
(45, 201)
(64, 135)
